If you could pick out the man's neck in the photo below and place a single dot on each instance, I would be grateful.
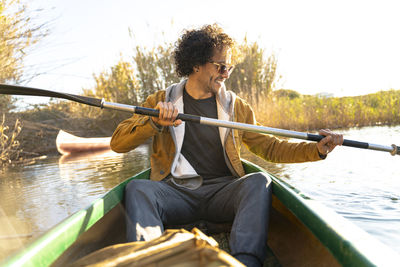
(197, 91)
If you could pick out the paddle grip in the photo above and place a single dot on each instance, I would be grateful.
(314, 137)
(346, 142)
(156, 113)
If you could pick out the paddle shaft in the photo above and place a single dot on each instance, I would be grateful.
(101, 103)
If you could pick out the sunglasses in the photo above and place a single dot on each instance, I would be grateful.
(222, 68)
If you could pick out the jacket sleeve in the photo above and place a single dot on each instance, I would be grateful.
(134, 131)
(272, 148)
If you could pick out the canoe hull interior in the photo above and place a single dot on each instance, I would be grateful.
(110, 230)
(289, 240)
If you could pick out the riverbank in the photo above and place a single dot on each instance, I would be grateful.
(39, 128)
(37, 139)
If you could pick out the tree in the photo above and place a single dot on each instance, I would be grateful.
(155, 68)
(18, 34)
(119, 85)
(255, 76)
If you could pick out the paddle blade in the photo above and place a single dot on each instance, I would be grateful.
(21, 90)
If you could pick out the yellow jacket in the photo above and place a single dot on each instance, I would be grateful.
(167, 141)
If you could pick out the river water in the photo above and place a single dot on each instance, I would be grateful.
(361, 185)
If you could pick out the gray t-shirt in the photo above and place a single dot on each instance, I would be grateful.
(202, 145)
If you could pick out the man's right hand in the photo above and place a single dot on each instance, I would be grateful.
(168, 114)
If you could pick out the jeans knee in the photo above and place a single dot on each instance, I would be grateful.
(258, 185)
(258, 180)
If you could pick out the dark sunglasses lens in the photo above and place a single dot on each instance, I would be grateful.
(222, 69)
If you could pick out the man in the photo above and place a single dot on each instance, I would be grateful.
(196, 170)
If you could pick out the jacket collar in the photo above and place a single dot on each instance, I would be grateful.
(225, 99)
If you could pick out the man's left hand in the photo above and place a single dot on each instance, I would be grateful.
(331, 140)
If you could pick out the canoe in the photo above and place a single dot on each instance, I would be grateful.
(70, 144)
(302, 232)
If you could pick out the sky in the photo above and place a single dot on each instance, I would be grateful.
(341, 48)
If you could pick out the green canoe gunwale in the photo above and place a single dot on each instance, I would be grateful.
(350, 245)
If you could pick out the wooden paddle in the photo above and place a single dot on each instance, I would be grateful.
(101, 103)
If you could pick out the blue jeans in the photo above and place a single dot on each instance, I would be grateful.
(244, 201)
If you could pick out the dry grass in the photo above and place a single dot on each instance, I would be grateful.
(9, 145)
(304, 112)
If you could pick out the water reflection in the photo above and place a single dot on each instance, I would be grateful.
(362, 185)
(35, 198)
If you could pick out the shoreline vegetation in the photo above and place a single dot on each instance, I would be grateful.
(290, 110)
(287, 109)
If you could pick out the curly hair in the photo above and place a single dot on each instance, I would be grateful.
(196, 47)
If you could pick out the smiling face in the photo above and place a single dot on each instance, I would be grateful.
(207, 78)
